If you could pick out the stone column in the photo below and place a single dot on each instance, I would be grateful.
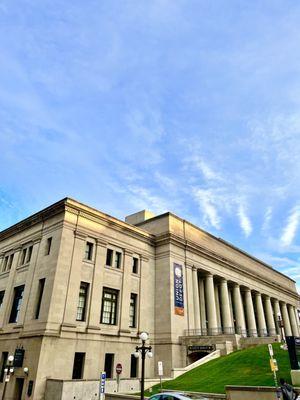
(211, 305)
(297, 319)
(238, 311)
(218, 312)
(277, 313)
(225, 308)
(202, 307)
(196, 299)
(252, 330)
(292, 316)
(269, 317)
(261, 322)
(286, 320)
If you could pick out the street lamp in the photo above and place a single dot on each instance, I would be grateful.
(282, 334)
(8, 371)
(143, 349)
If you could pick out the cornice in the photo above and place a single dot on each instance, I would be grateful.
(188, 245)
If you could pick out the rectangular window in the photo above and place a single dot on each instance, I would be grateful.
(109, 306)
(48, 246)
(23, 256)
(78, 366)
(118, 258)
(5, 262)
(109, 257)
(109, 364)
(29, 254)
(39, 297)
(10, 261)
(135, 265)
(82, 300)
(3, 364)
(1, 297)
(88, 251)
(17, 302)
(132, 310)
(133, 367)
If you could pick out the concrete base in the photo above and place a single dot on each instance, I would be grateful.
(295, 376)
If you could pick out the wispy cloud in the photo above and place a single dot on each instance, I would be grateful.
(267, 219)
(209, 210)
(291, 227)
(245, 222)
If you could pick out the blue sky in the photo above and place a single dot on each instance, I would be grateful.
(186, 106)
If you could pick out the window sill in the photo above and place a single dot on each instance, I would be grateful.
(113, 268)
(89, 262)
(22, 267)
(4, 274)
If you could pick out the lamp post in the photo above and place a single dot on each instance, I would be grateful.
(143, 349)
(282, 334)
(8, 371)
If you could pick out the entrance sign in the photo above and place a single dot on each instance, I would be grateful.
(201, 348)
(102, 386)
(178, 289)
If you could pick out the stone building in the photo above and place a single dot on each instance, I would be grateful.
(77, 286)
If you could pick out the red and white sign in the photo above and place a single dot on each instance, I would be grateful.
(119, 368)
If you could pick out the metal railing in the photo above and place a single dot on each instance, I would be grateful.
(230, 331)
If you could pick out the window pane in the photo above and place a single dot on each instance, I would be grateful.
(109, 306)
(109, 255)
(82, 299)
(17, 302)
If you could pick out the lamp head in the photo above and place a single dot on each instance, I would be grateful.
(26, 370)
(144, 336)
(11, 358)
(136, 354)
(150, 354)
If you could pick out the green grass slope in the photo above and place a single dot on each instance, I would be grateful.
(249, 367)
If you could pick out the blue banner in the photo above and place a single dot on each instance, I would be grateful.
(178, 289)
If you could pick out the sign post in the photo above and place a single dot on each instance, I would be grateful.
(102, 386)
(160, 373)
(274, 368)
(119, 369)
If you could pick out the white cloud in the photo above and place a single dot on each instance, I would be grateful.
(267, 219)
(245, 222)
(205, 199)
(291, 227)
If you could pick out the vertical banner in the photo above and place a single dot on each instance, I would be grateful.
(178, 289)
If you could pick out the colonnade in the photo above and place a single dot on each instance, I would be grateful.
(223, 307)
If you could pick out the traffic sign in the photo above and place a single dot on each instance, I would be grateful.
(102, 385)
(119, 368)
(273, 364)
(270, 350)
(160, 368)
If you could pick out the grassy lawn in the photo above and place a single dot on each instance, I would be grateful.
(249, 367)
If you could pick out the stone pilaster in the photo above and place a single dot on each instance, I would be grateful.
(261, 321)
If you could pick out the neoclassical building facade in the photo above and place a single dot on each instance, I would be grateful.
(77, 287)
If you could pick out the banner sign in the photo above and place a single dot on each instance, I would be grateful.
(178, 289)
